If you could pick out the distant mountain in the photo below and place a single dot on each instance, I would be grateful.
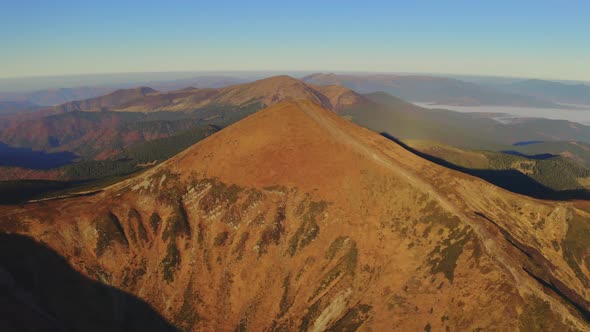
(107, 101)
(57, 96)
(552, 91)
(429, 89)
(296, 219)
(202, 82)
(52, 97)
(467, 130)
(260, 93)
(104, 126)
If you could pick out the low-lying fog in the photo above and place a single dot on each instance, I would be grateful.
(580, 114)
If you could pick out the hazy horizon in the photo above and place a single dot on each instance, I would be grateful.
(506, 114)
(34, 83)
(515, 39)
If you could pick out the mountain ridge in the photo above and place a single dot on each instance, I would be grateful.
(554, 91)
(267, 92)
(102, 127)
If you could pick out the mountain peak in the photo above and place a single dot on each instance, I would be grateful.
(293, 142)
(273, 90)
(296, 219)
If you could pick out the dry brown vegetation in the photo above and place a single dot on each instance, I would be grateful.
(295, 219)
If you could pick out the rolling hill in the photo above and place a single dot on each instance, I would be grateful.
(296, 219)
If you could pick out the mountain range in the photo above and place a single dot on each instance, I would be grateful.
(467, 130)
(101, 127)
(133, 129)
(578, 94)
(57, 96)
(450, 90)
(431, 89)
(294, 218)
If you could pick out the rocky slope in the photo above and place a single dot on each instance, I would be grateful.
(295, 219)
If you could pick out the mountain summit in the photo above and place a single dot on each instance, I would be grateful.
(296, 219)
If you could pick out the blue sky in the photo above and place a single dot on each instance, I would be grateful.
(545, 39)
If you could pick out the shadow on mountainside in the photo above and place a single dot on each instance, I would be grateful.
(40, 291)
(541, 156)
(511, 180)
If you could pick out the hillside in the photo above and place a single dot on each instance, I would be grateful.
(430, 89)
(294, 218)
